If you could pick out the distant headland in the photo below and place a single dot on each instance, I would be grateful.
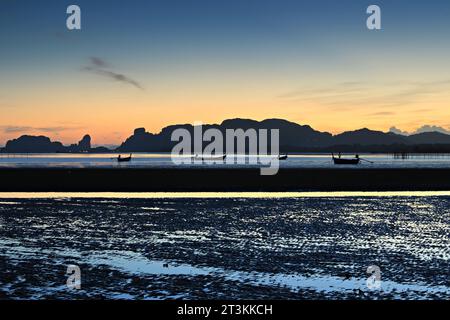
(293, 138)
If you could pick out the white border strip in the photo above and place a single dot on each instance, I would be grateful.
(218, 195)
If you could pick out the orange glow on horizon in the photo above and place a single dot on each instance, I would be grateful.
(110, 112)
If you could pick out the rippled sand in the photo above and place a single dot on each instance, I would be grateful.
(287, 248)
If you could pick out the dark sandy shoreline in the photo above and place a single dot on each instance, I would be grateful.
(221, 180)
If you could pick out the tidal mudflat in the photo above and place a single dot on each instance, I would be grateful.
(225, 248)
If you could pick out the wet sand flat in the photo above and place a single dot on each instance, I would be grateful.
(226, 248)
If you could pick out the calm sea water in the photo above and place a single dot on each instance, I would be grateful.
(155, 160)
(227, 246)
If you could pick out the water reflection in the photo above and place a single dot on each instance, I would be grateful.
(163, 160)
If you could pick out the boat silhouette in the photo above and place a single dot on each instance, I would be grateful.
(339, 160)
(124, 159)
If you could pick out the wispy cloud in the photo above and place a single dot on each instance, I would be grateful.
(100, 67)
(422, 129)
(388, 94)
(99, 62)
(29, 129)
(398, 131)
(429, 128)
(382, 114)
(422, 110)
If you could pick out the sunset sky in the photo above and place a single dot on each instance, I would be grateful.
(151, 63)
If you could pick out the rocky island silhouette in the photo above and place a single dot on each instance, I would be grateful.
(293, 138)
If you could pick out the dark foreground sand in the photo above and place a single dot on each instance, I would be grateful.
(296, 248)
(177, 179)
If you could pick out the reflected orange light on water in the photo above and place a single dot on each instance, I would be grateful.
(212, 195)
